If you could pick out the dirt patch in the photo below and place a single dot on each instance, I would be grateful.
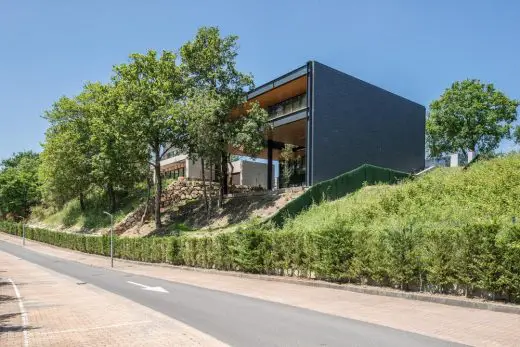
(235, 210)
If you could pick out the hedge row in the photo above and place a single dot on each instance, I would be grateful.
(481, 259)
(336, 188)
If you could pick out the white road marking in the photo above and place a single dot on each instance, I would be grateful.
(98, 327)
(25, 320)
(152, 289)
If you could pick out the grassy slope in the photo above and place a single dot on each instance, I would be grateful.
(71, 216)
(488, 190)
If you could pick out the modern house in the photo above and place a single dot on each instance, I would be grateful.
(336, 122)
(244, 172)
(249, 173)
(333, 122)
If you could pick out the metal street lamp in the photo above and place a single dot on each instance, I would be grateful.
(111, 238)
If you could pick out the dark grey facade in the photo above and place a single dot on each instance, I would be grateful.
(352, 122)
(348, 122)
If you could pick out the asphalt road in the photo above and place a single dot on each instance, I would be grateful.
(234, 319)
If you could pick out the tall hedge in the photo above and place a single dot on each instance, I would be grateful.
(480, 259)
(336, 188)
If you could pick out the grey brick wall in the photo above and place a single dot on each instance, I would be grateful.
(355, 123)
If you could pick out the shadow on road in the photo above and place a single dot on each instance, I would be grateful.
(6, 298)
(9, 328)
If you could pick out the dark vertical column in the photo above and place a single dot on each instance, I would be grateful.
(308, 136)
(269, 164)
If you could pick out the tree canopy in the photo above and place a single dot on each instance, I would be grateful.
(19, 185)
(217, 88)
(469, 116)
(112, 136)
(151, 88)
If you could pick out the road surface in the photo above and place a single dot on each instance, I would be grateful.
(233, 319)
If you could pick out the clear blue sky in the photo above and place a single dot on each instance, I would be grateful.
(412, 48)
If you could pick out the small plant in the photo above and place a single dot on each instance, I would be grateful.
(286, 158)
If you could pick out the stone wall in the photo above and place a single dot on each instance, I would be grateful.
(177, 193)
(133, 218)
(182, 191)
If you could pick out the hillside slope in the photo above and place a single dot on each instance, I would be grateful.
(486, 191)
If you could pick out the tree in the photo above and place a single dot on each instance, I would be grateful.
(286, 157)
(19, 185)
(210, 63)
(516, 135)
(151, 89)
(88, 144)
(65, 170)
(118, 160)
(200, 115)
(17, 158)
(469, 116)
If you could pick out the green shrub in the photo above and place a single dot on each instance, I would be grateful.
(336, 188)
(480, 257)
(401, 255)
(441, 256)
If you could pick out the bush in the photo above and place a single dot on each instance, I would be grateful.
(479, 258)
(336, 188)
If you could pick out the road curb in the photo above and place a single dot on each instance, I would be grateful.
(433, 298)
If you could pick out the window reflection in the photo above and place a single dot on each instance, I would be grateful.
(291, 105)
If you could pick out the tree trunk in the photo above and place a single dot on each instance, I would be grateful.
(25, 208)
(210, 188)
(82, 202)
(222, 178)
(204, 191)
(231, 174)
(225, 159)
(111, 197)
(148, 192)
(158, 188)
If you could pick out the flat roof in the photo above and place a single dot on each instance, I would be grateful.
(291, 75)
(302, 70)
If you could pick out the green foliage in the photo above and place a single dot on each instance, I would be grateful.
(469, 116)
(286, 155)
(118, 161)
(446, 198)
(88, 144)
(149, 89)
(19, 185)
(336, 188)
(406, 257)
(401, 254)
(516, 135)
(65, 160)
(92, 217)
(109, 135)
(216, 89)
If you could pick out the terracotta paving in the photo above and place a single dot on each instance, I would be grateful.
(64, 312)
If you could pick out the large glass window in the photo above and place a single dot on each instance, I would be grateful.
(288, 106)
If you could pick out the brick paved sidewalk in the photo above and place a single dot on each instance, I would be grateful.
(63, 312)
(463, 325)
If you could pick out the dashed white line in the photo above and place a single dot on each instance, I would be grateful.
(25, 320)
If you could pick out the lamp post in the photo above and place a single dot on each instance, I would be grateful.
(23, 233)
(111, 238)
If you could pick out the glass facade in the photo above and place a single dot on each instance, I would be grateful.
(180, 172)
(288, 106)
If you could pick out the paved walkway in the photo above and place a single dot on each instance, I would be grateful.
(463, 325)
(64, 312)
